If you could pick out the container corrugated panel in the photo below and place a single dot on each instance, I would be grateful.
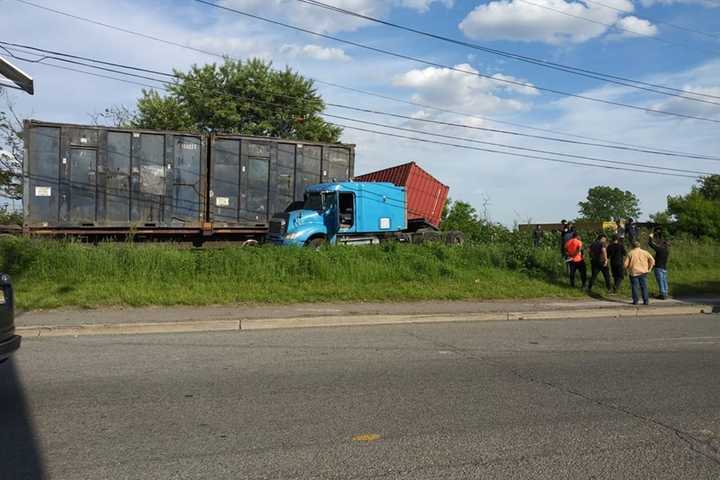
(252, 178)
(426, 196)
(89, 176)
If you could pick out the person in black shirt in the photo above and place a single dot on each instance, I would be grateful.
(662, 251)
(616, 257)
(599, 261)
(538, 236)
(631, 230)
(563, 232)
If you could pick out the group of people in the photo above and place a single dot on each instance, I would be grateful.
(611, 257)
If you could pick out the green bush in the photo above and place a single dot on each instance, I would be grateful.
(50, 274)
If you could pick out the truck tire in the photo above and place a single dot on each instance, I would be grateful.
(454, 238)
(315, 242)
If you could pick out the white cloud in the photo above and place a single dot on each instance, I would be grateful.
(455, 89)
(424, 5)
(704, 3)
(550, 21)
(324, 20)
(636, 27)
(694, 108)
(315, 52)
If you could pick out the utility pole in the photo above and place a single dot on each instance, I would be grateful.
(16, 78)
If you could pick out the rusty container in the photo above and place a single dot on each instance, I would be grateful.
(426, 195)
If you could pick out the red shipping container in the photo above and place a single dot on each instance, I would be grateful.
(426, 195)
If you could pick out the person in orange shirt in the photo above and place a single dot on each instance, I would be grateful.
(576, 261)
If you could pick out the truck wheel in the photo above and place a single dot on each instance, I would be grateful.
(316, 242)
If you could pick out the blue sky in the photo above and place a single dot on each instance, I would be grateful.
(513, 189)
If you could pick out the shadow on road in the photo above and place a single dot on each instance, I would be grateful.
(20, 456)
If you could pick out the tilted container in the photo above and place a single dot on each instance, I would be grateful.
(91, 178)
(426, 196)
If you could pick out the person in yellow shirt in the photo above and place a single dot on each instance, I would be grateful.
(639, 263)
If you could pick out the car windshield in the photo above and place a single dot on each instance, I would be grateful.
(313, 201)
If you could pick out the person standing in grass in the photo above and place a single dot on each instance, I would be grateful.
(564, 229)
(576, 261)
(538, 236)
(662, 251)
(616, 258)
(638, 263)
(632, 231)
(599, 261)
(620, 231)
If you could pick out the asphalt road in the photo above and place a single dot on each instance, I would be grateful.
(572, 399)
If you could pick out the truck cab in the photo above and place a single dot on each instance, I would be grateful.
(345, 212)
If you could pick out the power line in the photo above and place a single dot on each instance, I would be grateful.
(336, 85)
(109, 77)
(655, 20)
(94, 60)
(456, 69)
(608, 143)
(509, 132)
(653, 172)
(394, 115)
(467, 147)
(51, 57)
(617, 27)
(514, 147)
(532, 60)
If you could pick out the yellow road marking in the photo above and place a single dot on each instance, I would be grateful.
(366, 437)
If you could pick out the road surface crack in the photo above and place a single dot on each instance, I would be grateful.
(702, 447)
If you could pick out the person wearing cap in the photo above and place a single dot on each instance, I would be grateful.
(639, 263)
(662, 252)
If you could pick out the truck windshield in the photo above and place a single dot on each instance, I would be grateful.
(313, 201)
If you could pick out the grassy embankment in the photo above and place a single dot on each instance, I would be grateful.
(51, 274)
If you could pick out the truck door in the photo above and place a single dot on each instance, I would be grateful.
(346, 209)
(330, 204)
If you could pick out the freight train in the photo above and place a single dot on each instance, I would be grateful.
(103, 182)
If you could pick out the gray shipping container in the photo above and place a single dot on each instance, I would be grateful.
(251, 178)
(85, 176)
(85, 179)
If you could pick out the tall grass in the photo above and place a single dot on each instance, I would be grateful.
(51, 274)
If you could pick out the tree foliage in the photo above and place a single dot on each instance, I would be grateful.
(464, 217)
(11, 150)
(250, 98)
(604, 203)
(698, 212)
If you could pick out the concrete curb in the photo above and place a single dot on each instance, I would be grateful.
(346, 321)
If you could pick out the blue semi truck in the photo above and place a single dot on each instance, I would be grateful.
(353, 213)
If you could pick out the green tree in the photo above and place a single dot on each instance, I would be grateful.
(11, 150)
(460, 216)
(698, 212)
(605, 203)
(464, 217)
(709, 187)
(250, 98)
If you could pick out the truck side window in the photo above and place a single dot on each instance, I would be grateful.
(347, 209)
